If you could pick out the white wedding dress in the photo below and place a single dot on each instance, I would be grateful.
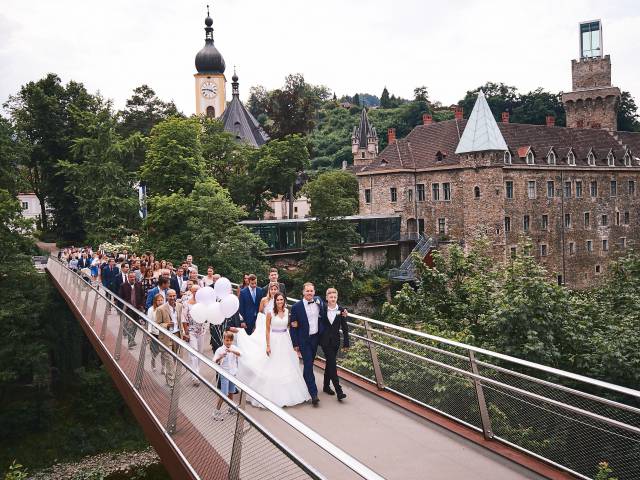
(278, 376)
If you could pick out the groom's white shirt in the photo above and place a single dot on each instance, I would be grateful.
(313, 312)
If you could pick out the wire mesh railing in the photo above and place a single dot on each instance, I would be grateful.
(567, 420)
(240, 447)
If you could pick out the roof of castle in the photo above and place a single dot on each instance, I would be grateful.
(435, 145)
(364, 130)
(482, 133)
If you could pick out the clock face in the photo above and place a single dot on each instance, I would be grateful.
(209, 89)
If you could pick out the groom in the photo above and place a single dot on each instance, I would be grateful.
(305, 331)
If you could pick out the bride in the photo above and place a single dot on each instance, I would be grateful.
(269, 363)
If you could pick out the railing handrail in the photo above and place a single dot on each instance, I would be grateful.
(335, 451)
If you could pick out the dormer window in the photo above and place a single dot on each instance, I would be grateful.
(611, 160)
(507, 157)
(530, 158)
(571, 158)
(627, 159)
(439, 156)
(551, 157)
(591, 159)
(383, 162)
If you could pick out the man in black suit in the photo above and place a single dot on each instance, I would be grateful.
(273, 278)
(131, 292)
(177, 282)
(84, 262)
(121, 277)
(109, 274)
(334, 318)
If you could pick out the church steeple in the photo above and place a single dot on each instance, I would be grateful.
(209, 59)
(210, 80)
(364, 141)
(235, 86)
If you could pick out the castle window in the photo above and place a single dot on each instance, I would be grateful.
(211, 112)
(439, 156)
(567, 220)
(362, 155)
(626, 218)
(514, 251)
(571, 158)
(590, 39)
(420, 190)
(509, 188)
(367, 195)
(25, 205)
(604, 221)
(589, 246)
(531, 188)
(476, 191)
(446, 191)
(551, 158)
(611, 159)
(598, 269)
(420, 226)
(623, 242)
(410, 194)
(567, 189)
(442, 226)
(543, 250)
(435, 192)
(572, 248)
(545, 222)
(394, 194)
(594, 188)
(614, 188)
(605, 245)
(631, 188)
(627, 159)
(530, 158)
(578, 188)
(587, 220)
(507, 157)
(507, 224)
(618, 218)
(591, 159)
(525, 223)
(550, 189)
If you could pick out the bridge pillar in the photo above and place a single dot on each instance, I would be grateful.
(86, 300)
(482, 404)
(172, 417)
(137, 381)
(116, 354)
(374, 358)
(105, 316)
(236, 451)
(94, 310)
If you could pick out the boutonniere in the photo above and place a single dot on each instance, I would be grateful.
(317, 301)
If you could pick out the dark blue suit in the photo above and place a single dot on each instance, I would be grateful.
(308, 344)
(152, 293)
(249, 307)
(110, 278)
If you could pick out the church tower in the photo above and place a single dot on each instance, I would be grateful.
(364, 141)
(210, 79)
(593, 103)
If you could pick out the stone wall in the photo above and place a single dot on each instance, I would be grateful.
(590, 73)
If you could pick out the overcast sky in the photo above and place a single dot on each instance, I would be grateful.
(348, 45)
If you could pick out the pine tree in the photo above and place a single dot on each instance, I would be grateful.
(356, 99)
(385, 102)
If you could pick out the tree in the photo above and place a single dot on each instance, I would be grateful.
(421, 94)
(174, 157)
(534, 107)
(384, 99)
(204, 224)
(500, 97)
(258, 102)
(628, 113)
(224, 157)
(356, 99)
(328, 239)
(11, 156)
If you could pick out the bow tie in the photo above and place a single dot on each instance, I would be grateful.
(311, 302)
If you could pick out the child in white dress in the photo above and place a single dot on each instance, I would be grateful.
(227, 357)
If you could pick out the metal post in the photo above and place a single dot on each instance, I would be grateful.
(92, 318)
(236, 451)
(116, 353)
(374, 358)
(103, 329)
(482, 404)
(137, 381)
(86, 300)
(172, 419)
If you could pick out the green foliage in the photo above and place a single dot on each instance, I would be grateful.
(628, 113)
(16, 472)
(204, 224)
(333, 194)
(604, 472)
(174, 157)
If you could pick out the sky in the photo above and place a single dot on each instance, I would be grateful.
(347, 45)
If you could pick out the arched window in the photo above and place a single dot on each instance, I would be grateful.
(571, 158)
(439, 156)
(551, 157)
(507, 157)
(611, 159)
(211, 112)
(627, 159)
(591, 159)
(530, 158)
(476, 191)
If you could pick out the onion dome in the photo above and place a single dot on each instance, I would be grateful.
(209, 59)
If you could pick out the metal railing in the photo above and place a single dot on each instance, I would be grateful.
(407, 271)
(241, 447)
(567, 420)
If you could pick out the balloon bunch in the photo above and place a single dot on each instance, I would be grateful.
(215, 304)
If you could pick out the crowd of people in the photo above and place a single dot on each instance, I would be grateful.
(261, 344)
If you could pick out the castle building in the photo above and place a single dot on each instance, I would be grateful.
(573, 191)
(211, 98)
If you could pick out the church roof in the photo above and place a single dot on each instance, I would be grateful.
(364, 130)
(482, 132)
(239, 121)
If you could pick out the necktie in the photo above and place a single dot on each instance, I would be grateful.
(253, 294)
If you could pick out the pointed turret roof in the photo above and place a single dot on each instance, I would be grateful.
(239, 121)
(364, 131)
(481, 132)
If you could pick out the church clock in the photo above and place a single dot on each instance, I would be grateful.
(209, 89)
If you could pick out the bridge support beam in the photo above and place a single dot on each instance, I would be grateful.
(482, 404)
(374, 358)
(236, 452)
(118, 349)
(137, 381)
(172, 417)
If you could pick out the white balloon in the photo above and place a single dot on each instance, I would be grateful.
(214, 314)
(199, 312)
(229, 305)
(222, 287)
(205, 295)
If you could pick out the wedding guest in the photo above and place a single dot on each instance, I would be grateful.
(163, 264)
(193, 278)
(208, 280)
(227, 357)
(190, 265)
(169, 316)
(148, 282)
(250, 298)
(73, 263)
(178, 282)
(158, 300)
(109, 277)
(84, 262)
(156, 270)
(194, 332)
(244, 283)
(273, 278)
(121, 278)
(163, 286)
(131, 292)
(95, 267)
(334, 318)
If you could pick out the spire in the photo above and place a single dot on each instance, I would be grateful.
(482, 132)
(208, 36)
(209, 59)
(234, 83)
(364, 131)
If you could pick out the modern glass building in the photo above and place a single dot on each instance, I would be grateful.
(282, 235)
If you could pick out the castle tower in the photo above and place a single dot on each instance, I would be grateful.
(364, 141)
(210, 79)
(593, 103)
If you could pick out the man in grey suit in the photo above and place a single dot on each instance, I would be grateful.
(273, 278)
